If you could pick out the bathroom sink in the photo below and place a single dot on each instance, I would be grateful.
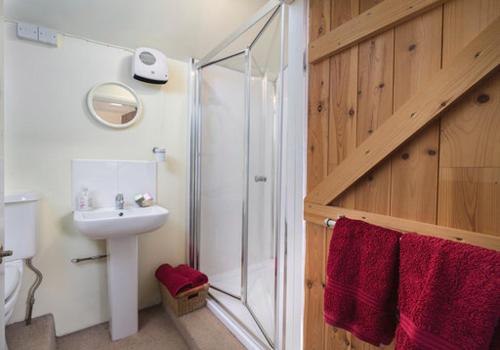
(120, 229)
(109, 223)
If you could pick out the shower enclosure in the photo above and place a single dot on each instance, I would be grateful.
(237, 230)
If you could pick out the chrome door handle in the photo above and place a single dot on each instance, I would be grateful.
(260, 179)
(4, 253)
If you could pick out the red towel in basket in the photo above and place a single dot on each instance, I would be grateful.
(449, 295)
(195, 277)
(361, 287)
(180, 278)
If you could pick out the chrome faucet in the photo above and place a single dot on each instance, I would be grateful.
(119, 201)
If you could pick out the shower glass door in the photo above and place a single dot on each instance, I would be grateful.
(222, 177)
(265, 67)
(235, 184)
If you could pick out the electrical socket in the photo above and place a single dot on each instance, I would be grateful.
(47, 36)
(27, 31)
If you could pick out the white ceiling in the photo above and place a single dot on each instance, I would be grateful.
(179, 28)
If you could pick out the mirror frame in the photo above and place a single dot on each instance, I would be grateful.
(90, 105)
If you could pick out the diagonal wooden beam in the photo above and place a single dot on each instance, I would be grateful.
(318, 213)
(379, 18)
(479, 58)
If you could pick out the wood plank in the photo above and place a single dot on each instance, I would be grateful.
(342, 124)
(468, 134)
(469, 130)
(415, 165)
(317, 128)
(470, 199)
(463, 20)
(477, 60)
(381, 17)
(365, 5)
(375, 106)
(343, 91)
(338, 339)
(318, 102)
(317, 166)
(470, 143)
(316, 214)
(314, 331)
(342, 128)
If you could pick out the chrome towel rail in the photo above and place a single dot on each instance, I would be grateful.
(329, 223)
(95, 257)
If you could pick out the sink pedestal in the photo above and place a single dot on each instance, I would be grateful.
(120, 227)
(123, 286)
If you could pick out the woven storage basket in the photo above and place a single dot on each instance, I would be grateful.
(186, 301)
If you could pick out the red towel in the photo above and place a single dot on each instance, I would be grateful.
(361, 289)
(180, 278)
(175, 282)
(449, 295)
(195, 277)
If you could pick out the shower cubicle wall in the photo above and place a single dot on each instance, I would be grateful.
(237, 230)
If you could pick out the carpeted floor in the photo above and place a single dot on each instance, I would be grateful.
(39, 335)
(156, 332)
(203, 331)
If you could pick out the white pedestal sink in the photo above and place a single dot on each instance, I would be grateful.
(120, 229)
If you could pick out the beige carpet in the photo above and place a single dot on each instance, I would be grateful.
(203, 331)
(156, 332)
(39, 335)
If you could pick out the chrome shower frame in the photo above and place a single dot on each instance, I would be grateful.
(273, 7)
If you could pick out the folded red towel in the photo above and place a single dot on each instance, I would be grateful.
(495, 343)
(195, 277)
(361, 289)
(174, 281)
(449, 295)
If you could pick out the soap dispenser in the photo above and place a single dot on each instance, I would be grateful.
(84, 200)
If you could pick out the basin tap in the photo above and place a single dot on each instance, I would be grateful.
(119, 201)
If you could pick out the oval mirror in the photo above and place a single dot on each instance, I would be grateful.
(114, 104)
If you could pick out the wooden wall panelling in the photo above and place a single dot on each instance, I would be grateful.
(315, 213)
(469, 194)
(476, 61)
(470, 199)
(415, 165)
(355, 91)
(381, 18)
(317, 165)
(317, 131)
(343, 97)
(470, 134)
(314, 332)
(342, 129)
(375, 105)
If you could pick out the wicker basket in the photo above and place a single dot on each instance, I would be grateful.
(187, 301)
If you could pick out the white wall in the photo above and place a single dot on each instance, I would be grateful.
(180, 28)
(47, 125)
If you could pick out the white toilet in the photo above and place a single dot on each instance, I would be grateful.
(21, 226)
